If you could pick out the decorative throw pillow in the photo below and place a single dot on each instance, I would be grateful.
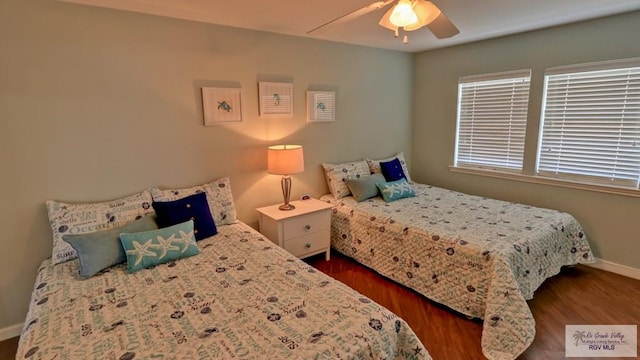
(154, 247)
(66, 218)
(219, 197)
(395, 190)
(102, 249)
(193, 207)
(392, 170)
(337, 175)
(374, 165)
(365, 187)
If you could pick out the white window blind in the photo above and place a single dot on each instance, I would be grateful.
(492, 118)
(591, 124)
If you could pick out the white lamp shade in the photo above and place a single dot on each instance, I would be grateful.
(285, 159)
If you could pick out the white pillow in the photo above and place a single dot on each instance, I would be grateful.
(84, 218)
(219, 197)
(374, 165)
(337, 175)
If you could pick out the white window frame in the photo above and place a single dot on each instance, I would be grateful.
(571, 146)
(508, 115)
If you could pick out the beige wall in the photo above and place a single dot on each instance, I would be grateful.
(97, 104)
(610, 221)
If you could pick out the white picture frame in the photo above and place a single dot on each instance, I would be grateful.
(275, 98)
(222, 105)
(321, 106)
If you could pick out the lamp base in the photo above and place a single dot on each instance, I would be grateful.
(286, 193)
(286, 207)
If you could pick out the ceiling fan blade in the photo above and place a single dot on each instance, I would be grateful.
(442, 27)
(352, 15)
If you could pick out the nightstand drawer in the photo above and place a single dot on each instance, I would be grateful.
(306, 224)
(316, 241)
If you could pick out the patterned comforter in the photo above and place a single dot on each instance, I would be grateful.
(241, 297)
(481, 257)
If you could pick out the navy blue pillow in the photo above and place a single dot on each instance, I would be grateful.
(194, 207)
(392, 170)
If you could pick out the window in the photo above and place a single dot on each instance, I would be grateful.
(590, 128)
(492, 118)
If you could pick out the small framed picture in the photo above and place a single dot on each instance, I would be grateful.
(321, 106)
(221, 105)
(276, 99)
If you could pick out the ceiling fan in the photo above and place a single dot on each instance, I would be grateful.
(408, 15)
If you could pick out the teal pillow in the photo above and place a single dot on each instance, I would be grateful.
(102, 249)
(365, 187)
(149, 248)
(395, 190)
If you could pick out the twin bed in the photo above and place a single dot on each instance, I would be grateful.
(481, 257)
(240, 297)
(244, 297)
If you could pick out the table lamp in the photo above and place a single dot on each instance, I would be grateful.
(285, 160)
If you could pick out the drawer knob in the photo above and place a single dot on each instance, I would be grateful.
(307, 245)
(308, 227)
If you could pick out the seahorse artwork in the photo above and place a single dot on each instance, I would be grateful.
(223, 105)
(321, 106)
(276, 99)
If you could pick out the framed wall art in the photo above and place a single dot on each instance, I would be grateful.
(321, 106)
(276, 99)
(221, 105)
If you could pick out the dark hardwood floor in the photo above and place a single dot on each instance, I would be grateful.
(8, 349)
(578, 295)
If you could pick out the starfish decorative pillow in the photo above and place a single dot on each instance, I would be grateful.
(154, 247)
(395, 190)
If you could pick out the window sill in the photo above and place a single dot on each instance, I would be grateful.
(545, 181)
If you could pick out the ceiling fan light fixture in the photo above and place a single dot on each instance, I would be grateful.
(403, 15)
(426, 12)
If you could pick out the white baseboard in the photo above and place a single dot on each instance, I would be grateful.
(10, 331)
(616, 268)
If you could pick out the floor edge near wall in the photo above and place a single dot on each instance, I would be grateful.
(624, 270)
(10, 331)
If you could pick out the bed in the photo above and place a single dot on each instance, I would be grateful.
(481, 257)
(241, 296)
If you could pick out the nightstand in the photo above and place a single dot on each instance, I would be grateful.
(303, 232)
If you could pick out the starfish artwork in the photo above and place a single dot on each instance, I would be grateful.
(141, 250)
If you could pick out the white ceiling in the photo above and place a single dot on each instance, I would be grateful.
(476, 19)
